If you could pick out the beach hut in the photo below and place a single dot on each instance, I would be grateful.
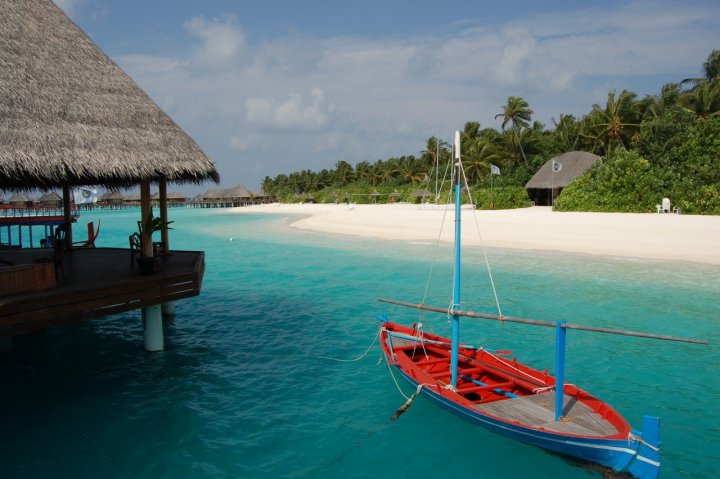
(69, 116)
(394, 196)
(421, 195)
(556, 174)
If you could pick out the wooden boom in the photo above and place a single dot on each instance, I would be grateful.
(535, 322)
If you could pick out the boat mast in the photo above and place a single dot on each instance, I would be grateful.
(455, 339)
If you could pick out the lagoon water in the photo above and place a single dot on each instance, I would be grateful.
(247, 386)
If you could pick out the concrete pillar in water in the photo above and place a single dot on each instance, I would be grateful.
(6, 343)
(153, 328)
(168, 309)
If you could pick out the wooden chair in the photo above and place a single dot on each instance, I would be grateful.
(59, 250)
(135, 246)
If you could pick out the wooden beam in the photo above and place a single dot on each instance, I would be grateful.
(67, 215)
(146, 216)
(165, 235)
(536, 322)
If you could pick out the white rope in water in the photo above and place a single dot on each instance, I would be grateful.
(350, 360)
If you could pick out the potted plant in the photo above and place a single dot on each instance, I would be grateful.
(151, 224)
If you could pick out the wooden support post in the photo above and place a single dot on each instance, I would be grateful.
(153, 328)
(164, 216)
(67, 216)
(146, 214)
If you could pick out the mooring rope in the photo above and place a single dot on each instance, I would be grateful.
(349, 360)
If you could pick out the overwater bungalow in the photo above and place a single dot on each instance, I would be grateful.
(224, 197)
(69, 116)
(111, 199)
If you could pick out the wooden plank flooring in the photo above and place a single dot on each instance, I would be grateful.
(538, 410)
(97, 282)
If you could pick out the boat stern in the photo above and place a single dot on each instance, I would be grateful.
(645, 464)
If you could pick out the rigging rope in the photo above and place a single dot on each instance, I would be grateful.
(482, 245)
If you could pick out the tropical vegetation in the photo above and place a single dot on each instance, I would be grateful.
(664, 145)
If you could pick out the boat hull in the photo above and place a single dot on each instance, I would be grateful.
(622, 451)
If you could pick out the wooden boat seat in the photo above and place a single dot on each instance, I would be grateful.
(476, 388)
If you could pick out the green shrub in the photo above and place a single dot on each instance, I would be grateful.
(624, 182)
(502, 198)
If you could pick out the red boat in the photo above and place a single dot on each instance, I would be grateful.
(513, 399)
(517, 401)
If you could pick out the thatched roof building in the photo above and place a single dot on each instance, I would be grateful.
(547, 184)
(237, 192)
(111, 197)
(21, 199)
(70, 116)
(50, 199)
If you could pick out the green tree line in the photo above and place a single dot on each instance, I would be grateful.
(666, 144)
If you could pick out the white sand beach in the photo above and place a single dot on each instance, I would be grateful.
(650, 236)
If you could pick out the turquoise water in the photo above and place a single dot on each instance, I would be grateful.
(241, 390)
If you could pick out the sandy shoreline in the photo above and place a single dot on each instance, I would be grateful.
(648, 236)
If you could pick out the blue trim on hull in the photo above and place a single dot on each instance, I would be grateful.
(618, 455)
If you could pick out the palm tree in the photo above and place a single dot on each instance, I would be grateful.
(477, 158)
(567, 133)
(704, 99)
(408, 169)
(614, 125)
(343, 173)
(363, 171)
(711, 70)
(517, 112)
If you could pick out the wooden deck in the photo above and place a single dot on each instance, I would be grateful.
(96, 282)
(538, 410)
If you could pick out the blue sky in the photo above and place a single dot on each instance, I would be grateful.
(278, 86)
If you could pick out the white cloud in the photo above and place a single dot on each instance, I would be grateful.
(222, 41)
(294, 113)
(245, 142)
(366, 99)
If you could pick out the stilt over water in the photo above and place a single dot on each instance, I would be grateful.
(153, 328)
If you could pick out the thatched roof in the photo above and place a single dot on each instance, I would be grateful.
(19, 198)
(112, 196)
(50, 197)
(238, 191)
(422, 193)
(213, 194)
(69, 114)
(574, 164)
(176, 196)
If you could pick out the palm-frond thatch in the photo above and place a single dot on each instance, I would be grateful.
(574, 164)
(50, 198)
(70, 115)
